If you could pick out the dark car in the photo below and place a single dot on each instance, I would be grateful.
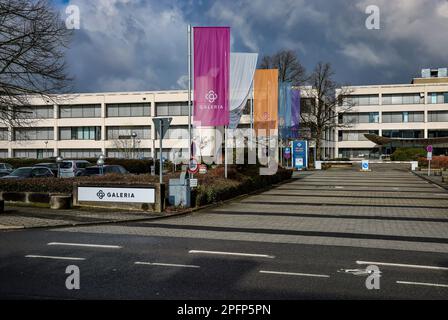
(52, 166)
(5, 169)
(96, 170)
(29, 172)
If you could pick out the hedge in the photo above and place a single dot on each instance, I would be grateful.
(407, 154)
(241, 183)
(437, 162)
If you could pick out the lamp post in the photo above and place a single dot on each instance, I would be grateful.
(46, 143)
(59, 160)
(100, 163)
(133, 136)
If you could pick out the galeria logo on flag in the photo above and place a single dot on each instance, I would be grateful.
(211, 96)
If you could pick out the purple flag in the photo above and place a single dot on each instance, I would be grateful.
(295, 113)
(211, 76)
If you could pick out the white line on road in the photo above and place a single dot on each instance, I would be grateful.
(424, 284)
(296, 274)
(233, 254)
(83, 245)
(167, 264)
(415, 266)
(54, 257)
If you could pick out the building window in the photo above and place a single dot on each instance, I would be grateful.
(36, 112)
(4, 134)
(351, 153)
(438, 116)
(128, 110)
(409, 98)
(354, 135)
(360, 100)
(437, 97)
(114, 133)
(79, 153)
(437, 133)
(80, 133)
(3, 153)
(172, 109)
(33, 153)
(403, 117)
(80, 111)
(362, 117)
(128, 154)
(409, 134)
(33, 134)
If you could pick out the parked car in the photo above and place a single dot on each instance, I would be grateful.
(51, 165)
(5, 169)
(96, 170)
(72, 168)
(29, 172)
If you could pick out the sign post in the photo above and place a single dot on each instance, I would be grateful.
(429, 158)
(161, 124)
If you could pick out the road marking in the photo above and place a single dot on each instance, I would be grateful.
(339, 187)
(295, 274)
(54, 257)
(233, 254)
(83, 245)
(167, 264)
(402, 265)
(424, 284)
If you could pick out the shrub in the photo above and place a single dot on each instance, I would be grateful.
(437, 162)
(407, 154)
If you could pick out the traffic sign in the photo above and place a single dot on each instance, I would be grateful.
(287, 153)
(429, 156)
(429, 148)
(365, 165)
(193, 165)
(161, 124)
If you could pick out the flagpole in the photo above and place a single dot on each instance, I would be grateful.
(189, 93)
(225, 152)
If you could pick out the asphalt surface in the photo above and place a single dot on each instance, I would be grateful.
(308, 239)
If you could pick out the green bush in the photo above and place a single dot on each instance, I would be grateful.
(407, 154)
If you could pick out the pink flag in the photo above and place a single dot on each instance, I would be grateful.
(211, 76)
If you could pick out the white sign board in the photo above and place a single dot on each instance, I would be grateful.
(429, 156)
(193, 183)
(130, 195)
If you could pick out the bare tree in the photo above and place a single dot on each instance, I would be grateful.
(289, 67)
(33, 39)
(328, 102)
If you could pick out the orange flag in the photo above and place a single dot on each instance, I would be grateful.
(265, 101)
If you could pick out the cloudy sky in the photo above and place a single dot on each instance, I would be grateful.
(125, 45)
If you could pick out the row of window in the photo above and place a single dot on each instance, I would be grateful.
(392, 99)
(392, 117)
(358, 135)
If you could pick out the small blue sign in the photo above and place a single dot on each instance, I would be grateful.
(287, 153)
(365, 165)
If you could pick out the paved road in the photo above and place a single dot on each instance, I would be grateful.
(300, 240)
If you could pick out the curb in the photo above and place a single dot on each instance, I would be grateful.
(430, 181)
(165, 216)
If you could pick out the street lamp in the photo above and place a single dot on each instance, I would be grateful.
(59, 160)
(100, 163)
(133, 135)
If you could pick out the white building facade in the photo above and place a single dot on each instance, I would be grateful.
(416, 110)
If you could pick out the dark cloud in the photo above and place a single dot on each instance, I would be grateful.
(141, 45)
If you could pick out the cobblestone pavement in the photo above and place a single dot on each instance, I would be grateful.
(20, 217)
(388, 208)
